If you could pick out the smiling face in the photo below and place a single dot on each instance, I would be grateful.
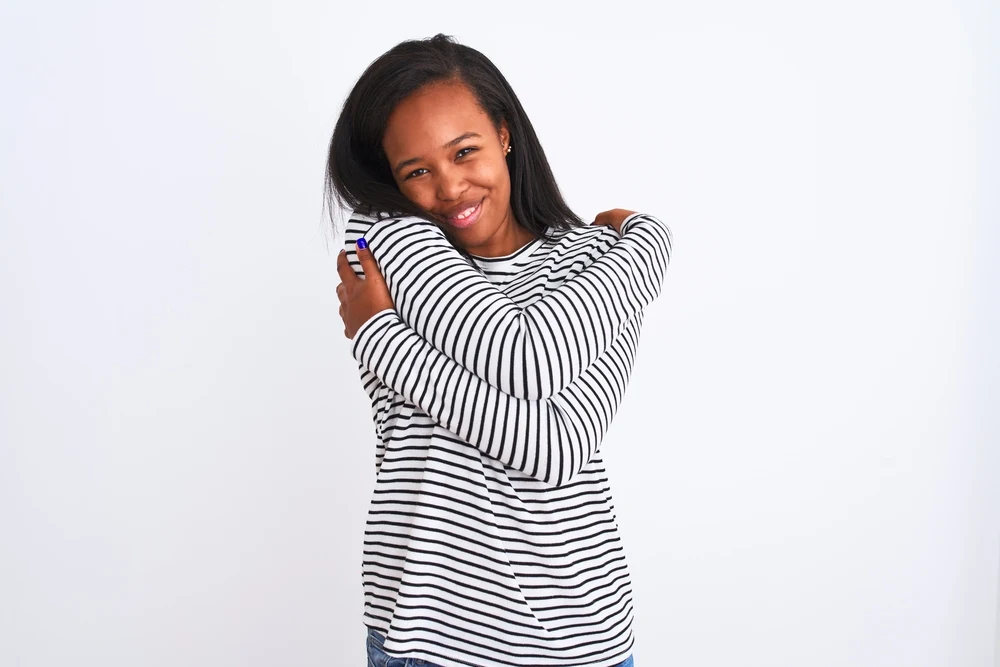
(449, 159)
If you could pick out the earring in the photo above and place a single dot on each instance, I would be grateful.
(509, 146)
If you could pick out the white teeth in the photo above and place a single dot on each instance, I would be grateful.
(466, 213)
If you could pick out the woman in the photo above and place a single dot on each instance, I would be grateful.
(495, 334)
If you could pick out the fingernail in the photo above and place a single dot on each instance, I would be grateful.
(362, 244)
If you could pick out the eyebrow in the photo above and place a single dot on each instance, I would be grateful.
(456, 140)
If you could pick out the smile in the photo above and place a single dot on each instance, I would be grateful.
(468, 217)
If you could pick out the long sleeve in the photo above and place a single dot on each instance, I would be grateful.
(532, 352)
(550, 439)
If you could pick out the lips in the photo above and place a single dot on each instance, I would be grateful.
(465, 214)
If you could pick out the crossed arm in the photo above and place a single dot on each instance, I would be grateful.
(534, 387)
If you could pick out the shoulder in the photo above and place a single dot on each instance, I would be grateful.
(587, 243)
(375, 224)
(361, 220)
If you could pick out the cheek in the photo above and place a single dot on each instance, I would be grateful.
(486, 174)
(419, 191)
(492, 174)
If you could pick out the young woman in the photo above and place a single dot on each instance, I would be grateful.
(495, 334)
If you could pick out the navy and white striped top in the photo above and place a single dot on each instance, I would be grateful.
(491, 536)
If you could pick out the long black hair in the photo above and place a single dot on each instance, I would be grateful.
(358, 175)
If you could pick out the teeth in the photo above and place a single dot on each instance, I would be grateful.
(466, 213)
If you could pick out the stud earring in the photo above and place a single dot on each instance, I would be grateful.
(508, 149)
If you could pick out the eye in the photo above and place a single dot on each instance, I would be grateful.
(461, 153)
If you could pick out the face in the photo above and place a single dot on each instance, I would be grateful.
(449, 159)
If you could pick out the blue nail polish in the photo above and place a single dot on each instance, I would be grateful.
(362, 244)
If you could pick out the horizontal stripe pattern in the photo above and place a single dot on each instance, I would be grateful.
(491, 536)
(528, 351)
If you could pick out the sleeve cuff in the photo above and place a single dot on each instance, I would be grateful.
(370, 329)
(627, 222)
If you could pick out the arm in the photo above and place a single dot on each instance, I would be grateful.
(532, 352)
(380, 397)
(550, 440)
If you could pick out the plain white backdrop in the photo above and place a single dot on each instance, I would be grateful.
(806, 466)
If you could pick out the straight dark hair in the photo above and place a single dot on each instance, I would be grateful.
(358, 174)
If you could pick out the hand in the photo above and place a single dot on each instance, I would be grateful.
(613, 218)
(361, 298)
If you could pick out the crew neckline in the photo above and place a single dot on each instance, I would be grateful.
(511, 255)
(505, 263)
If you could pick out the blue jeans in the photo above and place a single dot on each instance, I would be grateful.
(379, 658)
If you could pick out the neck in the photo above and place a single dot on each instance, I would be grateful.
(509, 238)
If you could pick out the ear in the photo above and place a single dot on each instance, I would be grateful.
(504, 133)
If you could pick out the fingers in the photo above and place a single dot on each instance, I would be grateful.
(344, 268)
(368, 263)
(603, 218)
(614, 217)
(343, 317)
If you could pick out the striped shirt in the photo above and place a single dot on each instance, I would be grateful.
(491, 538)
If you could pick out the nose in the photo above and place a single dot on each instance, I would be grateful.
(451, 184)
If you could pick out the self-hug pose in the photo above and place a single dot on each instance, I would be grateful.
(495, 333)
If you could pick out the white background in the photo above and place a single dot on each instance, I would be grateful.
(806, 466)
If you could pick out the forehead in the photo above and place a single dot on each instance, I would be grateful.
(433, 116)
